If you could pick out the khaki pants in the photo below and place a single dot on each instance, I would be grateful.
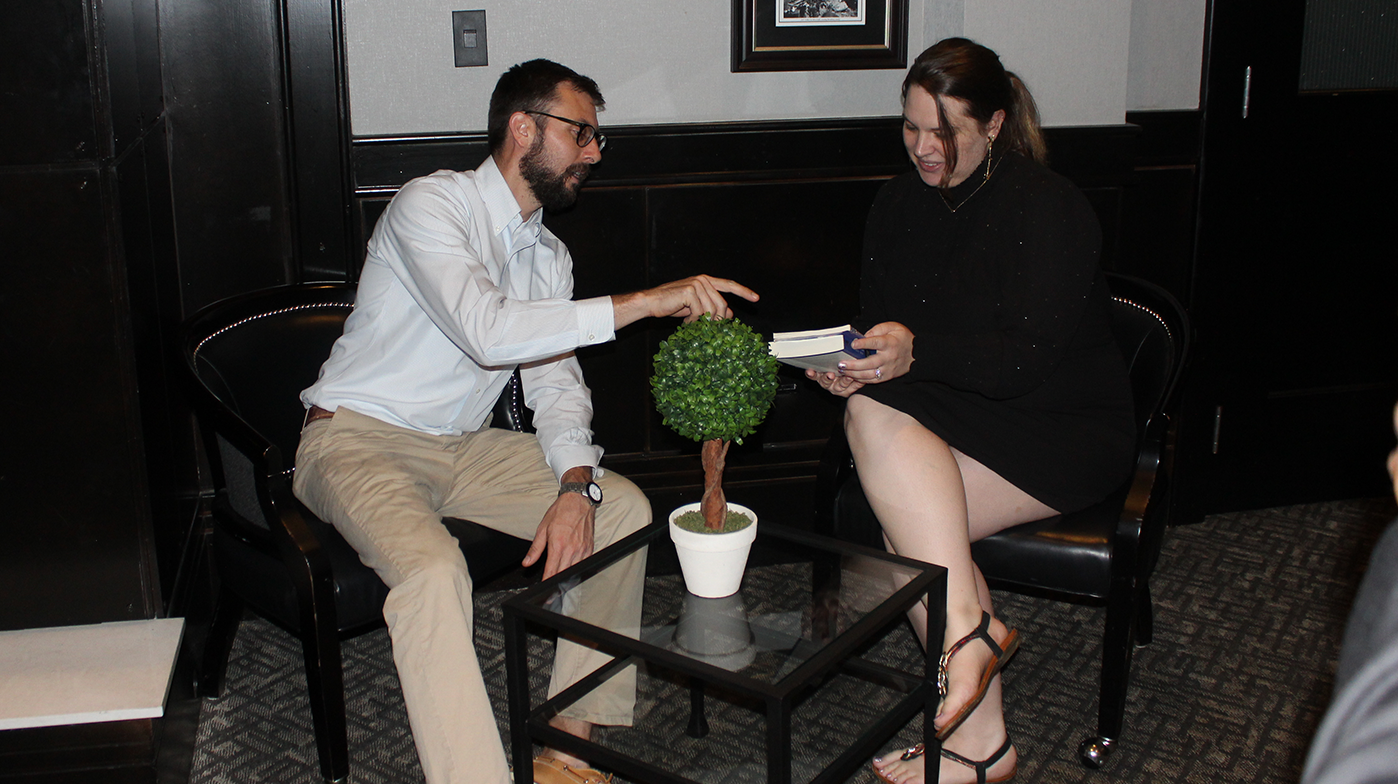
(385, 489)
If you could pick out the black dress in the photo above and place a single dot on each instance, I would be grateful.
(1014, 360)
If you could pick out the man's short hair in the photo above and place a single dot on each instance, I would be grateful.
(530, 87)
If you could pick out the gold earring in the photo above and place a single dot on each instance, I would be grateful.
(989, 146)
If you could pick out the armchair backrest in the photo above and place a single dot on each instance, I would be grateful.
(1152, 330)
(256, 352)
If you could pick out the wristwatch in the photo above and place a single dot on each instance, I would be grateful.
(590, 490)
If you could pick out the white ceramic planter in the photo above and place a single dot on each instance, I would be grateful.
(713, 563)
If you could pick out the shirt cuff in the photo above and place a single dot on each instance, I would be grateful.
(596, 320)
(562, 458)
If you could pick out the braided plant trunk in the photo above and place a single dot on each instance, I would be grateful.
(713, 505)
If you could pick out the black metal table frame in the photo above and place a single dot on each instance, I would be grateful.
(780, 699)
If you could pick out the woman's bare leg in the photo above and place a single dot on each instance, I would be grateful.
(931, 501)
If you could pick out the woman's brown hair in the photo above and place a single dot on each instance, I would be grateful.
(963, 69)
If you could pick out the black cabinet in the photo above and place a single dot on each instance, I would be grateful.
(1294, 301)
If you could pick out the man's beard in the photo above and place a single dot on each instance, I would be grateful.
(554, 190)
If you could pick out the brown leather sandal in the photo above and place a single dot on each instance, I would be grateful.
(551, 770)
(999, 656)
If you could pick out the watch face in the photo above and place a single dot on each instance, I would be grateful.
(594, 492)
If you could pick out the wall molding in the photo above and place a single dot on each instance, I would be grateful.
(1091, 156)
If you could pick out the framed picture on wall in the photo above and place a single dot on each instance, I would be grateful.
(819, 35)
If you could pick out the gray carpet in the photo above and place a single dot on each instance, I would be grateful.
(1249, 611)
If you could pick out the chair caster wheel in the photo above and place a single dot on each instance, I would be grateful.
(1094, 751)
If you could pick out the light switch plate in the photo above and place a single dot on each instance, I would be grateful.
(468, 37)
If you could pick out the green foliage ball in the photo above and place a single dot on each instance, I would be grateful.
(714, 378)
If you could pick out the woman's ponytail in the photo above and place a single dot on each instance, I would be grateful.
(1026, 137)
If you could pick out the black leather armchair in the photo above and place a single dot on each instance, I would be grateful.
(248, 358)
(1102, 555)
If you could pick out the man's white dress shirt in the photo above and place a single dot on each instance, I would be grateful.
(458, 289)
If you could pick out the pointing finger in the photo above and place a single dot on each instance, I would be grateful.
(734, 287)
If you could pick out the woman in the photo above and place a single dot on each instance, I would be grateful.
(997, 395)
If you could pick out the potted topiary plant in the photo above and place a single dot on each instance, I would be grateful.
(714, 382)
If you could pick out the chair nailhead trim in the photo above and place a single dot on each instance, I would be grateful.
(291, 309)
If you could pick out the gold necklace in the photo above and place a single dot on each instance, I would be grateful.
(947, 201)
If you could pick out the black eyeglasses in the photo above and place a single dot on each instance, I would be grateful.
(586, 133)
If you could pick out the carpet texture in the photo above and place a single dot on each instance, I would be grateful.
(1250, 607)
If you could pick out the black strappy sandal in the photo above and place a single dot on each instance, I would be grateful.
(981, 768)
(999, 656)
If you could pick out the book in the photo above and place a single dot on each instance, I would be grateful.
(817, 349)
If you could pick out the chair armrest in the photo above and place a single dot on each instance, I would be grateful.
(1142, 514)
(277, 524)
(306, 561)
(240, 459)
(1147, 467)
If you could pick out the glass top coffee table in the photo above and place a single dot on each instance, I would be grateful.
(800, 676)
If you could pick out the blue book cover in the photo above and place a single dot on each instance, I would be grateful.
(821, 349)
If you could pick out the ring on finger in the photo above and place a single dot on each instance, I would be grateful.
(878, 372)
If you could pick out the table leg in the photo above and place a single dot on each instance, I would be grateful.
(936, 630)
(778, 743)
(698, 725)
(517, 684)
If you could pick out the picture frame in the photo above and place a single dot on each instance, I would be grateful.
(819, 35)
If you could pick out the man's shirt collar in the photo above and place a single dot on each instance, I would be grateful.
(500, 202)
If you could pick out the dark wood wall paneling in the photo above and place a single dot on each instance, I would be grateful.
(317, 96)
(1158, 221)
(230, 164)
(779, 206)
(74, 488)
(89, 482)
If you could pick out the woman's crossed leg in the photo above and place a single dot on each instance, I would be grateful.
(932, 502)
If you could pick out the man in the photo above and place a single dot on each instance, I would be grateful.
(461, 285)
(1357, 740)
